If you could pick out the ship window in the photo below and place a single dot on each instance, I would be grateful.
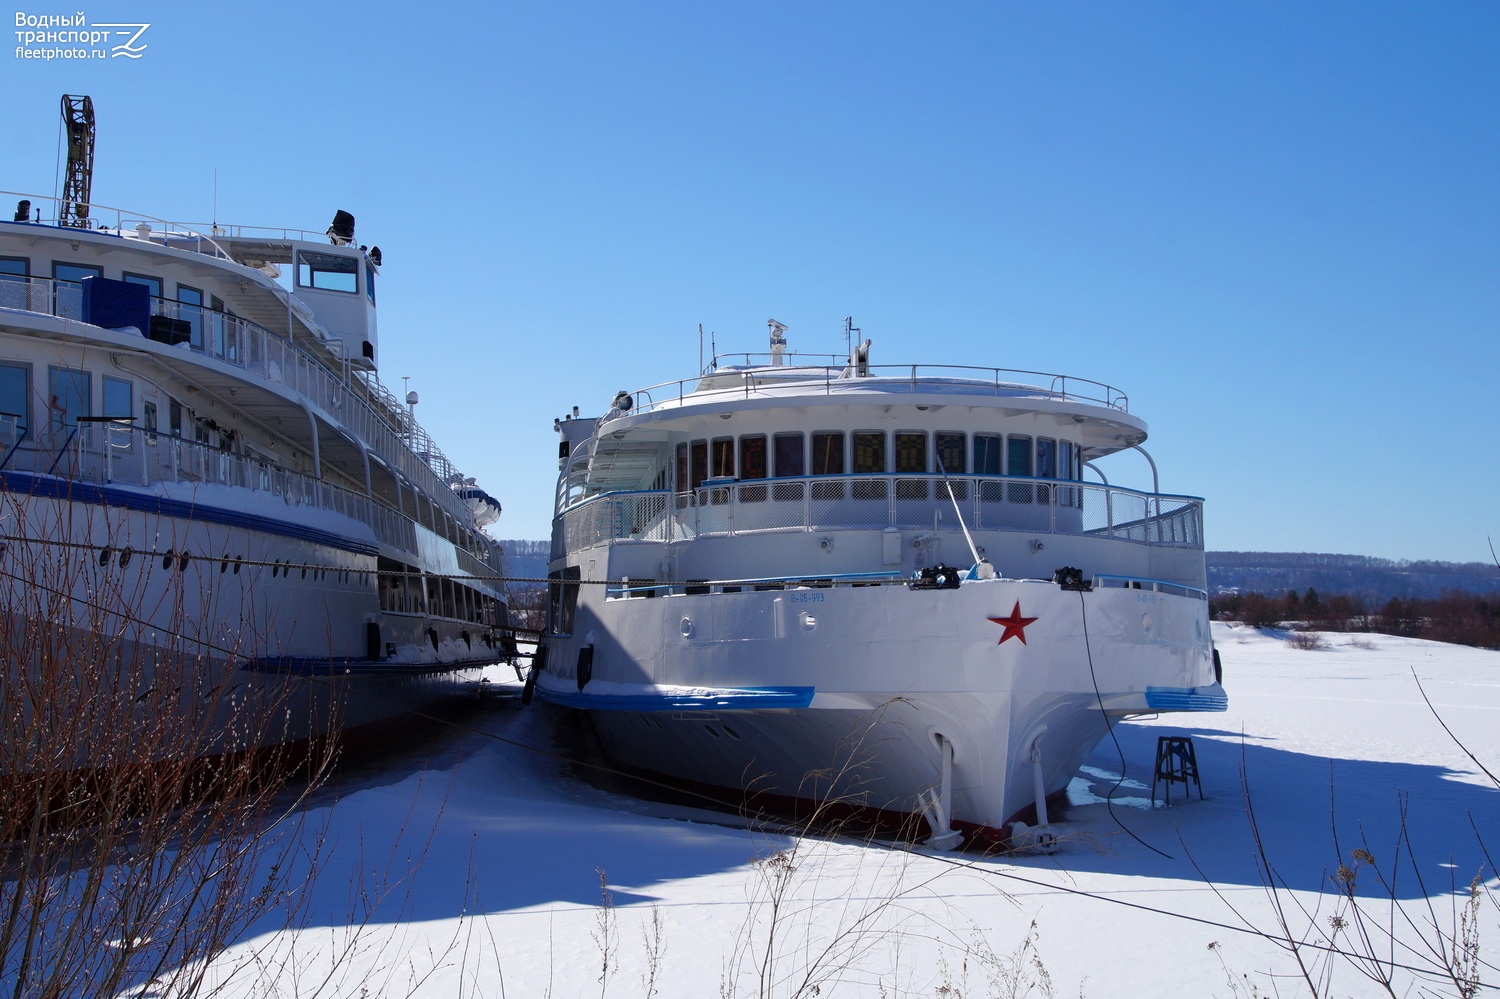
(682, 466)
(1046, 464)
(753, 457)
(723, 455)
(1046, 458)
(1018, 457)
(562, 594)
(1018, 462)
(869, 452)
(13, 268)
(950, 451)
(698, 459)
(15, 397)
(987, 454)
(174, 418)
(1066, 467)
(790, 460)
(153, 284)
(828, 452)
(68, 394)
(118, 398)
(911, 453)
(327, 271)
(69, 280)
(75, 272)
(370, 282)
(191, 309)
(148, 417)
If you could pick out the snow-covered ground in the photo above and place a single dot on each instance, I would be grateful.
(473, 866)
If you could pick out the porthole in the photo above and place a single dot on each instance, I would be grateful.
(239, 561)
(167, 559)
(125, 557)
(104, 554)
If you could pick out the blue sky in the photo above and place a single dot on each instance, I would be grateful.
(1275, 226)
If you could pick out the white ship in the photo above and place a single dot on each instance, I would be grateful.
(203, 478)
(889, 588)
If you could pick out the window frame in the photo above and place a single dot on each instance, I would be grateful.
(313, 270)
(57, 418)
(23, 418)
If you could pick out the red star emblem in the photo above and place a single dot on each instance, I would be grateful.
(1015, 625)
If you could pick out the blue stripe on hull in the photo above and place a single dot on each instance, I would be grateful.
(1186, 699)
(53, 487)
(723, 699)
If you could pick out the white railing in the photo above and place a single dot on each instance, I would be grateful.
(830, 375)
(254, 349)
(103, 451)
(876, 502)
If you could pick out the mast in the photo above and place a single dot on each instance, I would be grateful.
(78, 178)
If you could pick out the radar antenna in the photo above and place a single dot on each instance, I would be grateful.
(78, 180)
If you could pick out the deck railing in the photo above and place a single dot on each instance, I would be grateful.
(252, 348)
(104, 451)
(827, 374)
(876, 502)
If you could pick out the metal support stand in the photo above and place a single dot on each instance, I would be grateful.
(1175, 763)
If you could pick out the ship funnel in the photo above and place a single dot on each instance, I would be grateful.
(778, 342)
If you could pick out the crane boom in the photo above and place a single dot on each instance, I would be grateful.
(78, 179)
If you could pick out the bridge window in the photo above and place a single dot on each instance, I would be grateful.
(950, 451)
(790, 459)
(828, 452)
(753, 457)
(911, 453)
(987, 454)
(1046, 458)
(723, 455)
(14, 268)
(327, 271)
(869, 452)
(698, 461)
(1018, 462)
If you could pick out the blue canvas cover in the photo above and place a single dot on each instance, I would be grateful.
(116, 304)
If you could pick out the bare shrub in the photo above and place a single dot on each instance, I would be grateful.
(1307, 641)
(144, 823)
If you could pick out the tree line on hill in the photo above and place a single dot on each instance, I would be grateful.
(1373, 579)
(1453, 616)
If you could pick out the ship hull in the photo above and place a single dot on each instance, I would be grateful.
(852, 696)
(208, 631)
